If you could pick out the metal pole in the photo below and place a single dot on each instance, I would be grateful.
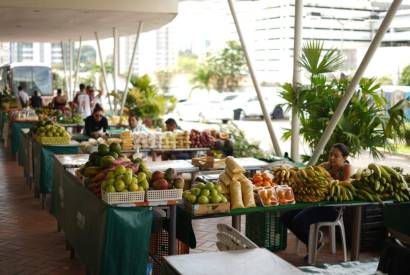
(71, 93)
(64, 66)
(104, 74)
(255, 82)
(297, 51)
(134, 50)
(352, 86)
(114, 67)
(77, 66)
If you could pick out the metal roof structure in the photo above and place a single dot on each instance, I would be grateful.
(57, 20)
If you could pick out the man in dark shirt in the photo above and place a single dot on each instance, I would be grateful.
(96, 125)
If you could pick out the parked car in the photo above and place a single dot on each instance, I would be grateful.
(224, 109)
(252, 107)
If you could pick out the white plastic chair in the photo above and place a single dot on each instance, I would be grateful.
(314, 235)
(231, 239)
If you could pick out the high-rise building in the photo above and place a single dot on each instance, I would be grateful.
(30, 52)
(4, 53)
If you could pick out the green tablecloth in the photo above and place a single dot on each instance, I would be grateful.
(23, 150)
(43, 163)
(4, 118)
(16, 135)
(108, 240)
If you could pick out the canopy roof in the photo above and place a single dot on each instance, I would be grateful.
(56, 20)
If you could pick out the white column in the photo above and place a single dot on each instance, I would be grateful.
(115, 66)
(64, 57)
(71, 93)
(77, 66)
(297, 51)
(104, 74)
(353, 84)
(255, 82)
(134, 50)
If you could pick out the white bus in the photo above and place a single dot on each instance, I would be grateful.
(31, 76)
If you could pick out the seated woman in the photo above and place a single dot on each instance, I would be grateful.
(299, 221)
(135, 124)
(59, 101)
(96, 125)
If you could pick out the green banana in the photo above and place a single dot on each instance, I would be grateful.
(392, 172)
(376, 170)
(385, 174)
(358, 174)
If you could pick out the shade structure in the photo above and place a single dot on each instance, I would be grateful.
(56, 20)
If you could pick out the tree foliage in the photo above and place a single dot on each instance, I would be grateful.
(145, 101)
(405, 76)
(366, 124)
(222, 70)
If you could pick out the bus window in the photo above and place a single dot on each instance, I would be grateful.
(42, 81)
(22, 76)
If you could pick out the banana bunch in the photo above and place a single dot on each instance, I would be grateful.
(309, 184)
(379, 182)
(283, 174)
(341, 191)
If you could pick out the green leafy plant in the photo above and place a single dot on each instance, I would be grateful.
(405, 76)
(222, 70)
(366, 124)
(145, 101)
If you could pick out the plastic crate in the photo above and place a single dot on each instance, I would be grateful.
(266, 230)
(164, 195)
(122, 197)
(159, 249)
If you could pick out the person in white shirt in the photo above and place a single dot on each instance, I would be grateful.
(82, 100)
(23, 96)
(135, 124)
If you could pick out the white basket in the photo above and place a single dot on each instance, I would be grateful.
(164, 195)
(122, 197)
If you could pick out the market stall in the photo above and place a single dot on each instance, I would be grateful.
(107, 239)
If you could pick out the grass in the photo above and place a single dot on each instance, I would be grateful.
(403, 149)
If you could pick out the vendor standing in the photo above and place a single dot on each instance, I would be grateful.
(96, 125)
(299, 221)
(59, 101)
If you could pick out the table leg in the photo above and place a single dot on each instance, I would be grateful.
(312, 245)
(43, 200)
(236, 222)
(356, 230)
(172, 236)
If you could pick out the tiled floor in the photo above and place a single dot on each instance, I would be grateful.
(30, 243)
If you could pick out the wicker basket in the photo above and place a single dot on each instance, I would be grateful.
(53, 140)
(164, 195)
(122, 197)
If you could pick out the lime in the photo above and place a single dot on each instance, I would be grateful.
(205, 192)
(210, 186)
(195, 191)
(203, 200)
(200, 185)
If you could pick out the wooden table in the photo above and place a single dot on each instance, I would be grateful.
(237, 262)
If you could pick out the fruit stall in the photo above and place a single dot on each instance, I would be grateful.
(48, 139)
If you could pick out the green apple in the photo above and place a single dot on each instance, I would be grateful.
(214, 192)
(110, 181)
(141, 176)
(191, 198)
(119, 185)
(200, 185)
(205, 192)
(119, 170)
(209, 185)
(110, 189)
(134, 180)
(216, 198)
(223, 199)
(195, 191)
(203, 200)
(133, 187)
(145, 184)
(218, 188)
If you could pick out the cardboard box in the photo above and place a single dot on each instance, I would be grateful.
(206, 209)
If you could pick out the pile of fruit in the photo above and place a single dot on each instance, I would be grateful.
(310, 184)
(205, 193)
(23, 114)
(235, 185)
(379, 182)
(108, 170)
(147, 140)
(263, 179)
(168, 140)
(182, 139)
(167, 180)
(268, 196)
(49, 129)
(202, 139)
(47, 113)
